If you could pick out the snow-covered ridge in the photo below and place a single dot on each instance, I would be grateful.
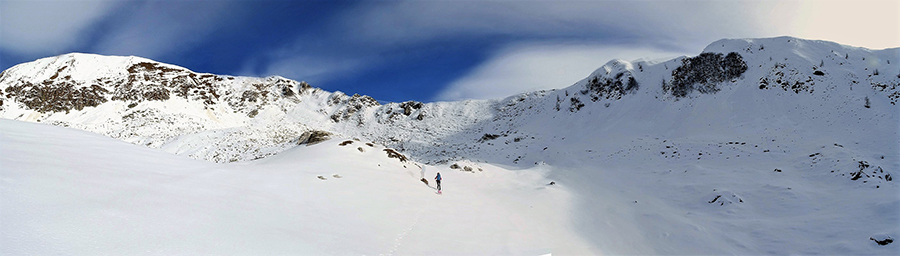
(81, 67)
(245, 118)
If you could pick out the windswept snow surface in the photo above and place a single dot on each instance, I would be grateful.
(65, 191)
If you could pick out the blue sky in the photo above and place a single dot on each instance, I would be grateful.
(422, 50)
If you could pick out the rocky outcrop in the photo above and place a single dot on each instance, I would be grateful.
(704, 73)
(310, 138)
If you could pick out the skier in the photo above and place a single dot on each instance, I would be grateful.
(438, 180)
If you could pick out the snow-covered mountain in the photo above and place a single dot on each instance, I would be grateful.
(226, 118)
(776, 145)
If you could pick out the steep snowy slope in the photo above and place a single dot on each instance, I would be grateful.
(71, 192)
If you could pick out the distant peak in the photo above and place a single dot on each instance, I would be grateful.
(783, 43)
(81, 66)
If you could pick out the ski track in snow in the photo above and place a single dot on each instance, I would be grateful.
(399, 241)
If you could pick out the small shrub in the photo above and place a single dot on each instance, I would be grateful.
(576, 104)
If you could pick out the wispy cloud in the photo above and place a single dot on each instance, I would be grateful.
(408, 22)
(47, 27)
(310, 68)
(153, 28)
(531, 67)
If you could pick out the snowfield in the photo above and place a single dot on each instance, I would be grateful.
(72, 192)
(755, 146)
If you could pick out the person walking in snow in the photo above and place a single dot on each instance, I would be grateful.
(438, 180)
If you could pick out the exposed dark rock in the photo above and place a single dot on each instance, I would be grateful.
(57, 97)
(704, 72)
(409, 106)
(882, 241)
(788, 79)
(352, 105)
(394, 154)
(611, 88)
(313, 137)
(487, 137)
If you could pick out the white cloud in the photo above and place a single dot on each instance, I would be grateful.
(408, 22)
(161, 27)
(41, 27)
(312, 69)
(531, 67)
(866, 23)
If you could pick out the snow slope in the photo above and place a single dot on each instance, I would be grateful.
(70, 192)
(789, 148)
